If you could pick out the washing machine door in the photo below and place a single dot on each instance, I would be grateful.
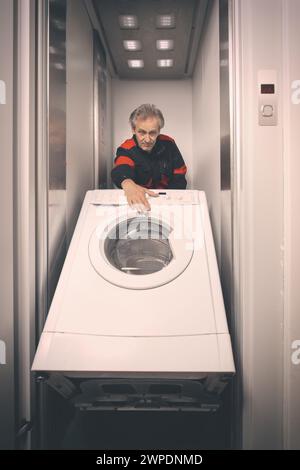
(139, 252)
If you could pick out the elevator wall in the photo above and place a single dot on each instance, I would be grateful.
(79, 107)
(206, 121)
(7, 318)
(267, 185)
(262, 231)
(291, 78)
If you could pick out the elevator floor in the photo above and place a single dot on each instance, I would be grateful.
(146, 430)
(67, 428)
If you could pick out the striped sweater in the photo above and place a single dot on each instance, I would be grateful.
(162, 168)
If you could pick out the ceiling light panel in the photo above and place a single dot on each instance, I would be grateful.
(135, 64)
(165, 21)
(128, 22)
(132, 45)
(165, 63)
(165, 44)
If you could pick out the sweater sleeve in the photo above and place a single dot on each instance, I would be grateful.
(178, 180)
(123, 167)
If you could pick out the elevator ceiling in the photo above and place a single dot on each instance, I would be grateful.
(161, 35)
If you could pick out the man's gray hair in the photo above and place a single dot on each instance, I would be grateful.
(145, 111)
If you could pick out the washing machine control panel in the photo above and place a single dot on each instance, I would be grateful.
(116, 197)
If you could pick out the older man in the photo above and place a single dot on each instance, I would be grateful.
(149, 160)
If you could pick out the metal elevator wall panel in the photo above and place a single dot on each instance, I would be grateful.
(226, 195)
(100, 117)
(7, 321)
(57, 142)
(80, 110)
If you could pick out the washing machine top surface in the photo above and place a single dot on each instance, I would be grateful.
(165, 197)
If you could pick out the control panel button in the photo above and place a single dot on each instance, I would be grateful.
(267, 110)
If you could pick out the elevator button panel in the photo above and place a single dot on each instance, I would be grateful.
(267, 98)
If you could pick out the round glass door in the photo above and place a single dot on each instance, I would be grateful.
(138, 252)
(139, 246)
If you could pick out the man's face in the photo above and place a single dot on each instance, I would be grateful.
(146, 132)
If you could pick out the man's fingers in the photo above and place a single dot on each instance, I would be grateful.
(151, 193)
(140, 207)
(136, 197)
(139, 204)
(145, 204)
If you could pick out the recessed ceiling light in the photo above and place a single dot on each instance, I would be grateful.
(165, 21)
(128, 22)
(165, 63)
(164, 44)
(135, 64)
(132, 45)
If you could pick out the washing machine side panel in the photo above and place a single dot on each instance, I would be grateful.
(216, 290)
(225, 352)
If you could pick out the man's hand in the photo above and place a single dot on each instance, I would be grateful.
(136, 195)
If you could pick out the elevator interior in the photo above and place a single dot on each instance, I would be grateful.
(106, 58)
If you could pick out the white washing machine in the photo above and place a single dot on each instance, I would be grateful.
(138, 307)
